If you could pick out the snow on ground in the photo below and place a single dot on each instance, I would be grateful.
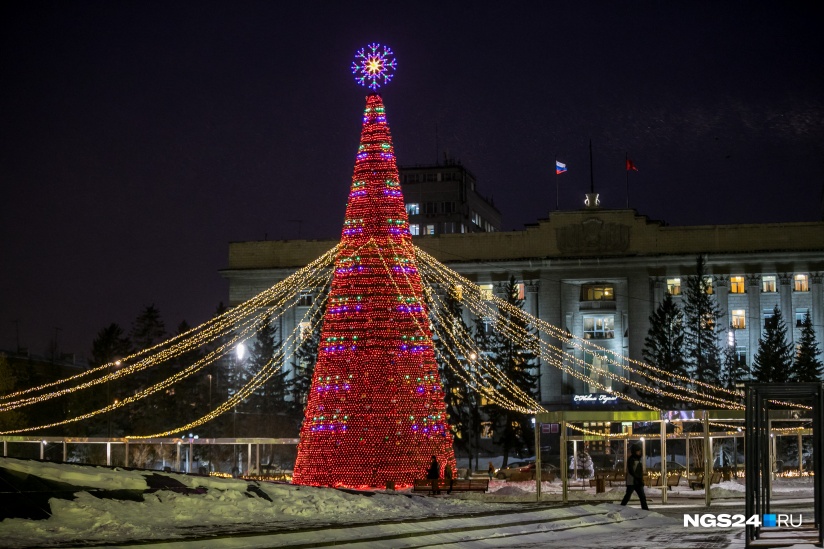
(113, 505)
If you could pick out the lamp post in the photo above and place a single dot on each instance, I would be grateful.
(240, 353)
(116, 363)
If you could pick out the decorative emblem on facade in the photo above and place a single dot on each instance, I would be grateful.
(593, 235)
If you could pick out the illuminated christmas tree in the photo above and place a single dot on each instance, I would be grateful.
(375, 412)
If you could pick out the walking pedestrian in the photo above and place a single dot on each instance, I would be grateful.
(491, 470)
(433, 474)
(635, 477)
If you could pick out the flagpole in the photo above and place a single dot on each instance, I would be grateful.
(626, 166)
(557, 208)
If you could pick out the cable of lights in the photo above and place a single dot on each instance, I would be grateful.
(224, 320)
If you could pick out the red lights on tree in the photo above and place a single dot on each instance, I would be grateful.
(375, 412)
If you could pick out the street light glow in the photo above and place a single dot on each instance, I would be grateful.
(240, 350)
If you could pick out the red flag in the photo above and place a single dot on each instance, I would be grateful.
(631, 165)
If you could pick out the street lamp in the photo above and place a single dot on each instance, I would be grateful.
(116, 363)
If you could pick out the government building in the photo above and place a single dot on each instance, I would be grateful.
(598, 274)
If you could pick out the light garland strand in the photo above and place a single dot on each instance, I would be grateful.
(215, 328)
(260, 377)
(479, 303)
(123, 372)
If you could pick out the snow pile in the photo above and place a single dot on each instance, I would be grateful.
(199, 505)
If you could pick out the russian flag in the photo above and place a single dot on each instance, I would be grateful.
(560, 167)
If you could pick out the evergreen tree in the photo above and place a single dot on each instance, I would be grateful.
(773, 360)
(303, 361)
(148, 328)
(12, 419)
(110, 345)
(807, 366)
(664, 348)
(516, 361)
(460, 399)
(267, 407)
(701, 327)
(735, 370)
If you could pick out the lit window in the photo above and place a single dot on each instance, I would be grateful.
(769, 317)
(738, 319)
(591, 292)
(737, 285)
(768, 284)
(413, 209)
(519, 290)
(457, 292)
(674, 286)
(486, 291)
(429, 229)
(800, 315)
(741, 353)
(476, 219)
(599, 327)
(304, 331)
(802, 283)
(414, 229)
(488, 324)
(708, 284)
(305, 298)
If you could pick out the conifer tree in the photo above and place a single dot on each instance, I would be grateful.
(664, 347)
(807, 366)
(11, 419)
(516, 360)
(773, 360)
(701, 314)
(148, 328)
(460, 399)
(110, 345)
(267, 405)
(734, 371)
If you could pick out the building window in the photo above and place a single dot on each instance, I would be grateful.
(304, 330)
(741, 353)
(413, 209)
(430, 207)
(802, 283)
(768, 284)
(430, 177)
(488, 324)
(476, 219)
(599, 327)
(800, 314)
(737, 285)
(429, 229)
(738, 320)
(519, 290)
(708, 284)
(414, 229)
(447, 207)
(486, 291)
(305, 298)
(597, 292)
(449, 227)
(769, 317)
(674, 286)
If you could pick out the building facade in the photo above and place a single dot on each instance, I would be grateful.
(599, 274)
(443, 199)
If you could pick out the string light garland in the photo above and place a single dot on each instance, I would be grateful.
(274, 365)
(208, 332)
(274, 311)
(472, 294)
(375, 412)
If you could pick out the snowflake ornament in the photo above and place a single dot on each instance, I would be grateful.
(374, 66)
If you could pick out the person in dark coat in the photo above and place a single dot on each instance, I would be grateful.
(434, 473)
(448, 476)
(635, 477)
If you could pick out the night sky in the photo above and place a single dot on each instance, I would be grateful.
(137, 139)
